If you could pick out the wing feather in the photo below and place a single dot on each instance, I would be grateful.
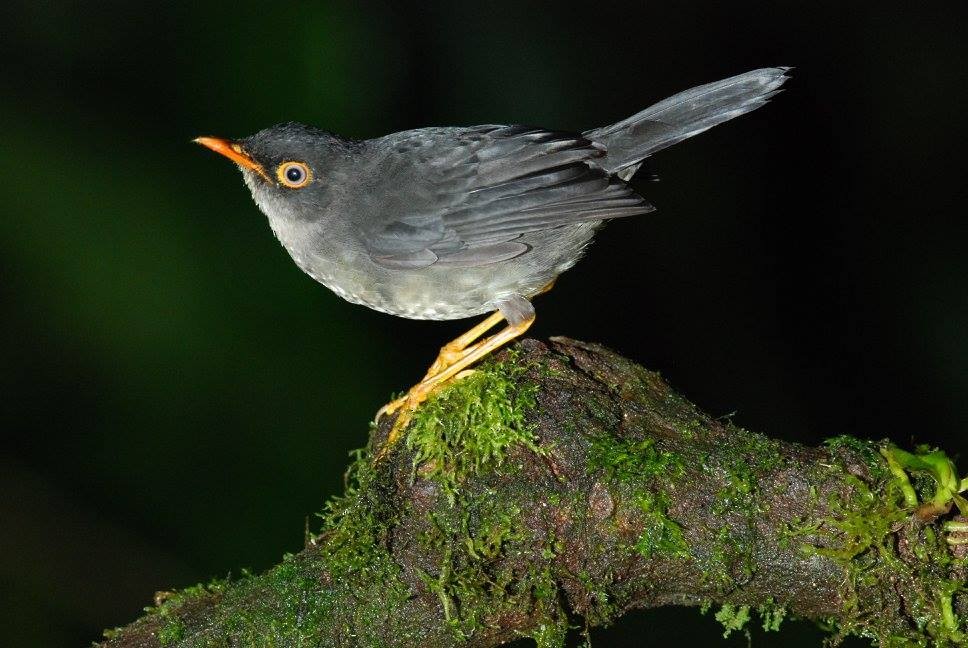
(460, 197)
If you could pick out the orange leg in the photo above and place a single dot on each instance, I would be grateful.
(449, 354)
(455, 357)
(454, 350)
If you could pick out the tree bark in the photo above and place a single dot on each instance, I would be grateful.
(563, 485)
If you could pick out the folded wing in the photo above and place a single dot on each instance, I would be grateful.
(465, 197)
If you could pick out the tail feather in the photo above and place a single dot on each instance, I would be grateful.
(683, 115)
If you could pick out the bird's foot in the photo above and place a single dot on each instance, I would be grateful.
(451, 364)
(397, 403)
(451, 354)
(407, 404)
(390, 408)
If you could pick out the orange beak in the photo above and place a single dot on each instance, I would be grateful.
(233, 151)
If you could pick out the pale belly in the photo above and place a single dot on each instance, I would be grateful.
(443, 293)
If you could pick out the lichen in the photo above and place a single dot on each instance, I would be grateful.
(469, 426)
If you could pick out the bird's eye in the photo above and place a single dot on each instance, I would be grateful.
(294, 175)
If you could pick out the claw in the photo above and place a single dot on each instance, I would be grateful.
(390, 408)
(451, 364)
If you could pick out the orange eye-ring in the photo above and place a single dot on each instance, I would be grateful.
(294, 175)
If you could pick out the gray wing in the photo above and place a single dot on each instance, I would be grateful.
(466, 197)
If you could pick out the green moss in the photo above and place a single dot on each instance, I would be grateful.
(737, 494)
(600, 609)
(470, 425)
(168, 602)
(771, 615)
(677, 410)
(352, 546)
(866, 451)
(660, 534)
(488, 566)
(470, 576)
(550, 635)
(171, 632)
(630, 461)
(715, 570)
(168, 606)
(733, 618)
(752, 451)
(552, 625)
(476, 582)
(868, 523)
(355, 524)
(277, 607)
(641, 466)
(745, 455)
(466, 429)
(863, 521)
(736, 505)
(730, 556)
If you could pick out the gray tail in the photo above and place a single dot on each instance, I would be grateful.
(683, 115)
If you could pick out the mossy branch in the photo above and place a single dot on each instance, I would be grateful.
(563, 485)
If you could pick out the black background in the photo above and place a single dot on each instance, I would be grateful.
(178, 397)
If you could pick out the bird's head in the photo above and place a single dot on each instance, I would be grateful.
(284, 166)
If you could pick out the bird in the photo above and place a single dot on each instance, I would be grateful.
(442, 223)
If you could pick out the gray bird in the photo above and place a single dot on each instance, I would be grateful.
(452, 222)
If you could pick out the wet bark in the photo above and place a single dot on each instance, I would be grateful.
(625, 496)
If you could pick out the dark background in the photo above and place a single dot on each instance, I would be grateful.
(178, 397)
